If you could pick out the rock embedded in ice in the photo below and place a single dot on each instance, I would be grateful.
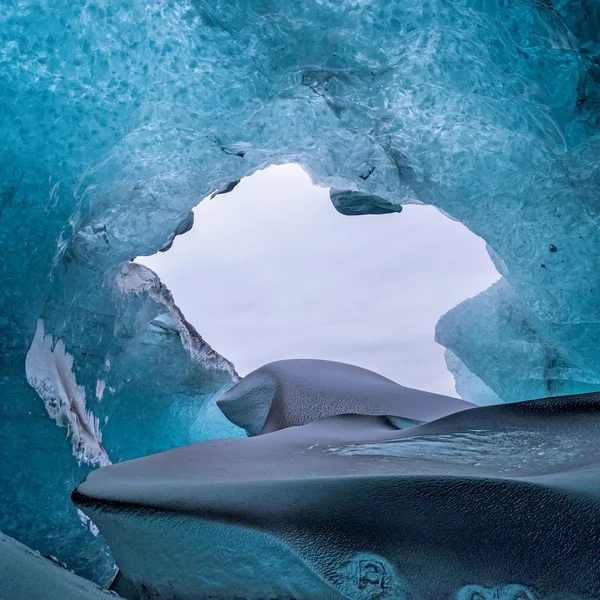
(26, 575)
(288, 393)
(501, 501)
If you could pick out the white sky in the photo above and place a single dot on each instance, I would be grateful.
(272, 271)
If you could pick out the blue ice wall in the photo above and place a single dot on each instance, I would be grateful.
(118, 116)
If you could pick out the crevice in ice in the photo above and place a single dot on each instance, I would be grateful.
(49, 370)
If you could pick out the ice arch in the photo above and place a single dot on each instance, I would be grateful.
(119, 115)
(291, 277)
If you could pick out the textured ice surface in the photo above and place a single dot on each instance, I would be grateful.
(213, 560)
(120, 115)
(49, 373)
(146, 383)
(506, 357)
(26, 575)
(287, 393)
(500, 501)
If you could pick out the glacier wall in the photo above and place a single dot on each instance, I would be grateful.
(118, 116)
(150, 387)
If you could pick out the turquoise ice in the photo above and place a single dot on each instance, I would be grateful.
(119, 116)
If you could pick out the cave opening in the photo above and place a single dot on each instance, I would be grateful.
(271, 271)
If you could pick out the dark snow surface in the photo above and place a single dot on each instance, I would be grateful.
(26, 575)
(501, 501)
(293, 392)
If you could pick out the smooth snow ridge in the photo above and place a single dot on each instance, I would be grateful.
(49, 370)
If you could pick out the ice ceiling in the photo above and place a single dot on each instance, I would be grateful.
(118, 116)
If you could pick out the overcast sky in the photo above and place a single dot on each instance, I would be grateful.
(272, 271)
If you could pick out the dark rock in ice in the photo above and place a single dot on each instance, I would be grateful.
(351, 203)
(287, 393)
(26, 575)
(495, 502)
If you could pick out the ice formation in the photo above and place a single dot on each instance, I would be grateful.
(48, 368)
(26, 575)
(119, 116)
(140, 380)
(492, 502)
(288, 393)
(352, 203)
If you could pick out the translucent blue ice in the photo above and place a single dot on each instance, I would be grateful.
(118, 116)
(149, 387)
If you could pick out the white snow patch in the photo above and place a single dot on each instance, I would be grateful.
(100, 385)
(88, 523)
(133, 280)
(49, 370)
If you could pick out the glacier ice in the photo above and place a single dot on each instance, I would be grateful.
(467, 383)
(49, 373)
(26, 575)
(507, 334)
(119, 116)
(288, 393)
(150, 386)
(492, 502)
(186, 225)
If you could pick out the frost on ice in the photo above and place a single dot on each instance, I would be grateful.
(49, 369)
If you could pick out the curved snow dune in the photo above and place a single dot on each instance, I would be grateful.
(500, 501)
(286, 393)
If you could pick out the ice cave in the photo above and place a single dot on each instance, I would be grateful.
(135, 460)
